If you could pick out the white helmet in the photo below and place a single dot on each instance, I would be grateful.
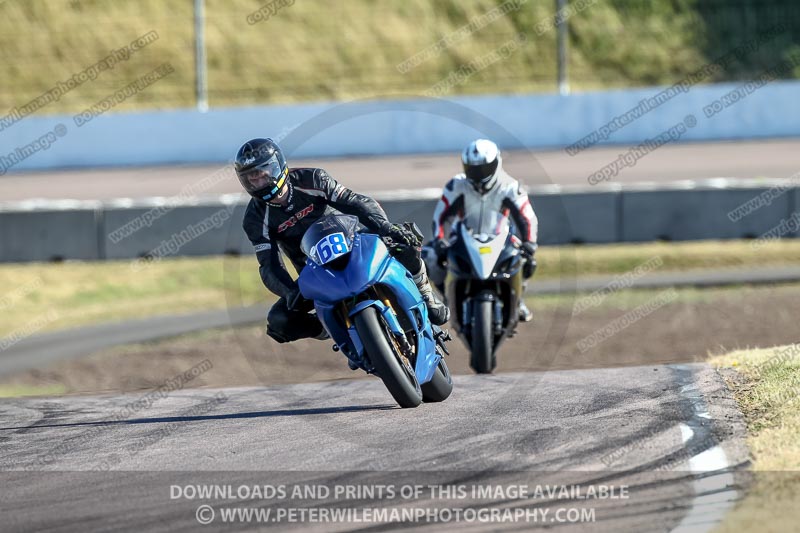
(481, 161)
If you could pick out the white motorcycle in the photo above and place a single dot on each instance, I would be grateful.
(483, 286)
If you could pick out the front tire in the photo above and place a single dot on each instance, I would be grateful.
(398, 378)
(482, 336)
(440, 386)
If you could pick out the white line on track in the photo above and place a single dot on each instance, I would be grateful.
(714, 495)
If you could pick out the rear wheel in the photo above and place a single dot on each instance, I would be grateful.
(394, 370)
(440, 386)
(482, 336)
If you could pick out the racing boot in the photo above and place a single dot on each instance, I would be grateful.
(438, 312)
(525, 314)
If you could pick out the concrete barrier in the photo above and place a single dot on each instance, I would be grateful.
(422, 125)
(160, 230)
(578, 217)
(49, 234)
(710, 209)
(417, 211)
(700, 212)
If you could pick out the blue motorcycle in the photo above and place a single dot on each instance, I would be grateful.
(371, 308)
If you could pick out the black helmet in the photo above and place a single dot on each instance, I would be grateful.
(481, 160)
(261, 168)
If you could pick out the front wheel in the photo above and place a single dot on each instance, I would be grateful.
(391, 367)
(440, 386)
(482, 336)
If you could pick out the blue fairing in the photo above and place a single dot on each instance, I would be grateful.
(368, 259)
(369, 263)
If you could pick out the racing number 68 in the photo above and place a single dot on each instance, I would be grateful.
(331, 247)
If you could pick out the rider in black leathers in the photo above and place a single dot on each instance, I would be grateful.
(285, 203)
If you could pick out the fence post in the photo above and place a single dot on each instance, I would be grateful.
(561, 31)
(201, 78)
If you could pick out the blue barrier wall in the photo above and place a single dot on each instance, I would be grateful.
(396, 126)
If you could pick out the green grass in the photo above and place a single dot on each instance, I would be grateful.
(53, 296)
(675, 256)
(42, 296)
(767, 388)
(628, 299)
(19, 391)
(768, 397)
(321, 50)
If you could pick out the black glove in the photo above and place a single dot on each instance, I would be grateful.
(407, 234)
(528, 250)
(295, 302)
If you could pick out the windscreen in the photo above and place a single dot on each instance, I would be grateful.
(329, 237)
(485, 227)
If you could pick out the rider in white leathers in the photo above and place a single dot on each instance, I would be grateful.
(484, 197)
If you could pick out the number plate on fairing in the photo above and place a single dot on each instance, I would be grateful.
(330, 247)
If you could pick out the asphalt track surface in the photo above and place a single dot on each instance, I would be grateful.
(668, 438)
(87, 463)
(40, 350)
(688, 161)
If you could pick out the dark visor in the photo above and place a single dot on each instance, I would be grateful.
(479, 174)
(265, 180)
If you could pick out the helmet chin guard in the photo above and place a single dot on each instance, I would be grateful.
(289, 196)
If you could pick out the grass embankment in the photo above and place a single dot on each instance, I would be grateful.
(766, 384)
(39, 297)
(321, 50)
